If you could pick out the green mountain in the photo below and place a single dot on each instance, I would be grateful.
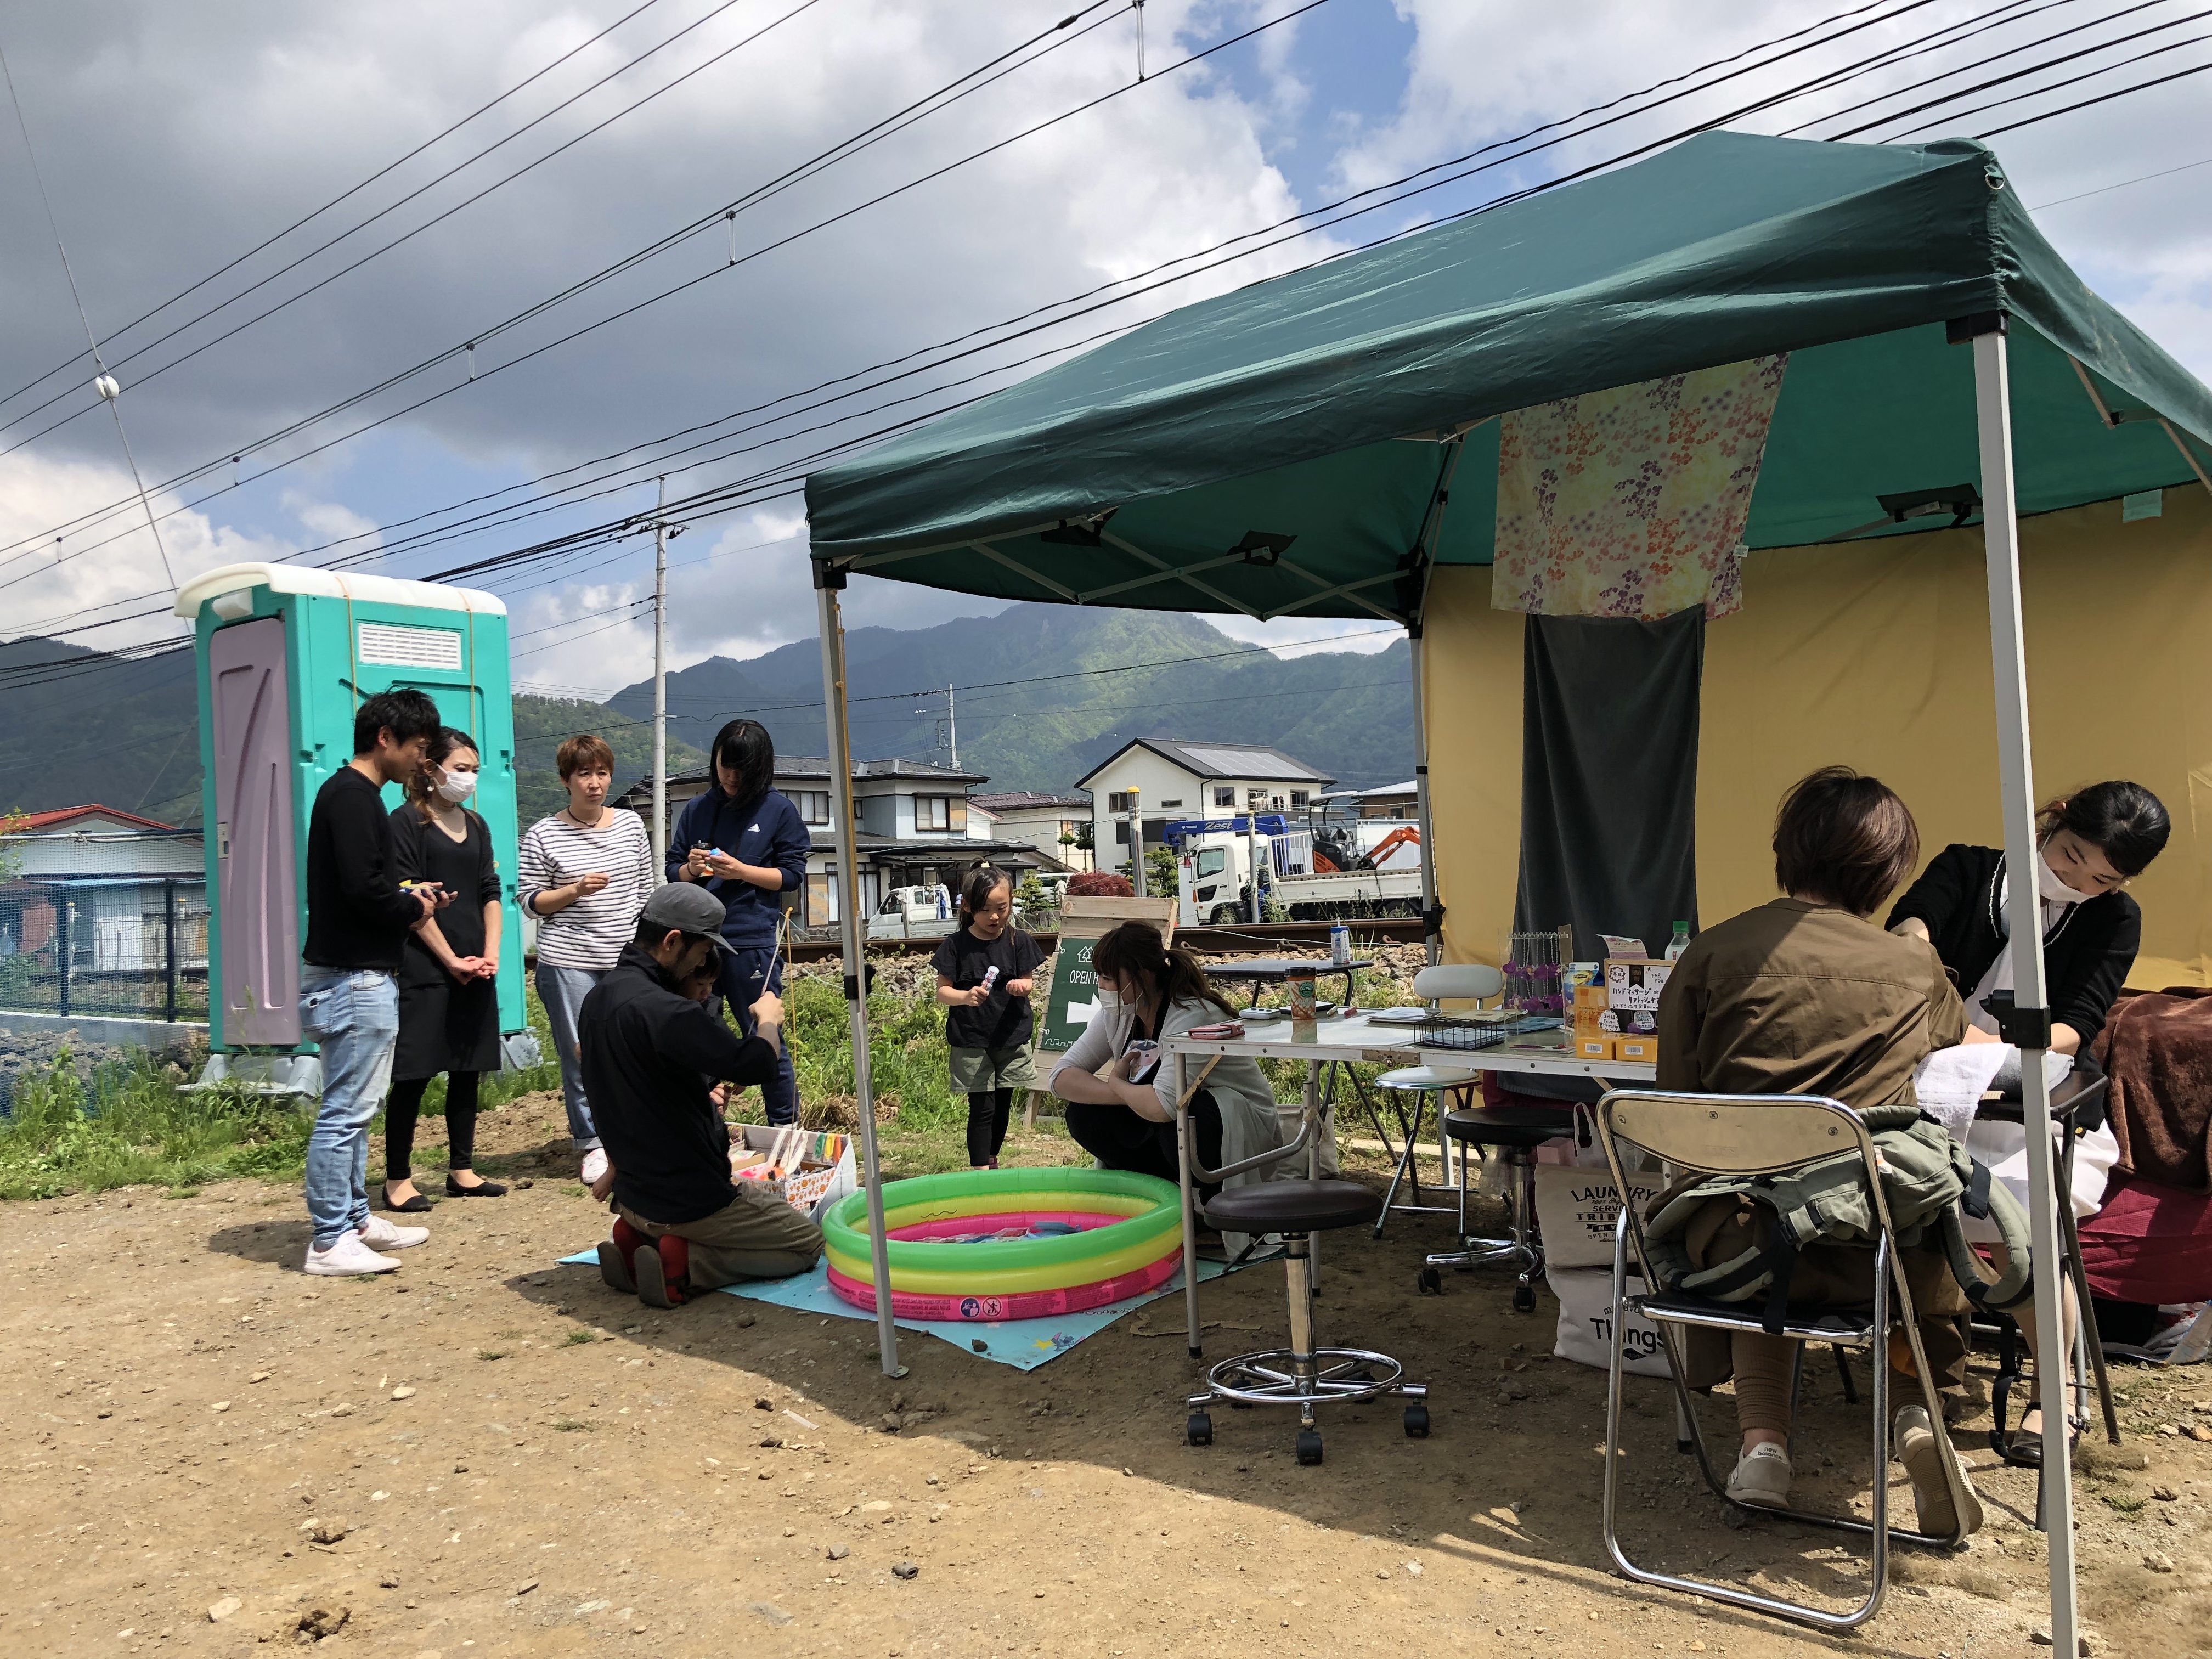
(1042, 694)
(85, 726)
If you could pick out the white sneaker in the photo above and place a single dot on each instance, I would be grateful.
(1762, 1477)
(381, 1235)
(595, 1165)
(348, 1258)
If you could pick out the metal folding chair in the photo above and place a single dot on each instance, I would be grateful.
(1747, 1135)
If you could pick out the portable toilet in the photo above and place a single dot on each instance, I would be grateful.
(285, 654)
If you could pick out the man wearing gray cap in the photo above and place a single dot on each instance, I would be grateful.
(653, 1059)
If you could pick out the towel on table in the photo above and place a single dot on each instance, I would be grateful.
(1951, 1082)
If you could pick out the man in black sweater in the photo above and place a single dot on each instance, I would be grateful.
(358, 920)
(654, 1060)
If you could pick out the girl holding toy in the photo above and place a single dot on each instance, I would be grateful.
(984, 970)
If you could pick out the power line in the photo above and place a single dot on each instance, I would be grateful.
(343, 195)
(947, 94)
(2140, 179)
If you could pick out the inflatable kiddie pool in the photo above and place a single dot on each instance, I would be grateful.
(993, 1245)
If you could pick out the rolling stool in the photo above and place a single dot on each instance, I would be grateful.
(1516, 1132)
(1445, 982)
(1301, 1375)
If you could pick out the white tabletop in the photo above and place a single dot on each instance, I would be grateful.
(1355, 1037)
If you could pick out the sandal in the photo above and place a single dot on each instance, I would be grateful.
(2023, 1448)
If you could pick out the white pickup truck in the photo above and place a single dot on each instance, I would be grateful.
(915, 913)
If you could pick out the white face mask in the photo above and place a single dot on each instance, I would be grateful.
(2049, 885)
(457, 786)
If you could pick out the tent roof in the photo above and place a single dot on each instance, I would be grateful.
(1285, 408)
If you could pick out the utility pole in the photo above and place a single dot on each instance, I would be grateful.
(951, 726)
(1136, 846)
(661, 680)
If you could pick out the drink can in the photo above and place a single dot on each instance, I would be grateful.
(1339, 945)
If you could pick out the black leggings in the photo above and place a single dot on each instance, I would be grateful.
(404, 1105)
(1120, 1140)
(989, 1111)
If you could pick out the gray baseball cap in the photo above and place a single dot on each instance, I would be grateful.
(687, 909)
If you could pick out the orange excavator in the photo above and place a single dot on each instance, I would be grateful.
(1333, 851)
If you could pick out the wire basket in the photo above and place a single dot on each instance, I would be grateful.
(1457, 1031)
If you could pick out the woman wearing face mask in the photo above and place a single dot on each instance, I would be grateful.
(448, 1003)
(2091, 844)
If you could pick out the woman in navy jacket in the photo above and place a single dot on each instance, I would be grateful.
(744, 842)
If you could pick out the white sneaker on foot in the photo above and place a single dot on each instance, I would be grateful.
(382, 1235)
(595, 1165)
(346, 1258)
(1921, 1454)
(1762, 1477)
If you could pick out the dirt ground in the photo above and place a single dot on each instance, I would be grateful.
(486, 1453)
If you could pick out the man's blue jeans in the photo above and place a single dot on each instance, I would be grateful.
(746, 975)
(353, 1015)
(563, 990)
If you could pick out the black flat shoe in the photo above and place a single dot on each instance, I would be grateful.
(482, 1189)
(2023, 1448)
(417, 1205)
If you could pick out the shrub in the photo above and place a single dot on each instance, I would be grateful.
(1100, 883)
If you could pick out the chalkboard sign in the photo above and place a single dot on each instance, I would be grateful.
(1083, 921)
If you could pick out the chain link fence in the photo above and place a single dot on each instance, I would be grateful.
(119, 946)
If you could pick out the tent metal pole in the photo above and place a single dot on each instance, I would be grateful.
(1421, 814)
(828, 579)
(2030, 1025)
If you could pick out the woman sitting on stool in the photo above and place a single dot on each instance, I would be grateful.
(1126, 1118)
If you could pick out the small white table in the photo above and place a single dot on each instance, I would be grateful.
(1346, 1037)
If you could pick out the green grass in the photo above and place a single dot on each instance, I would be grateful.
(129, 1125)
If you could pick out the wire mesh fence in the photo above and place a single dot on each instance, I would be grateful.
(120, 947)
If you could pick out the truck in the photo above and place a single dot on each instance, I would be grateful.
(925, 912)
(1315, 876)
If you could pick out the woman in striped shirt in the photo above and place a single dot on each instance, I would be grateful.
(585, 874)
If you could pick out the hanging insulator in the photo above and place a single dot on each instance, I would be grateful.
(731, 218)
(469, 351)
(106, 387)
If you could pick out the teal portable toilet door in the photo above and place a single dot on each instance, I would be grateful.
(257, 887)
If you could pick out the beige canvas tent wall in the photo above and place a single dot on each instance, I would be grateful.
(1877, 656)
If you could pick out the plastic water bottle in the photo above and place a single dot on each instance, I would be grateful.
(1680, 943)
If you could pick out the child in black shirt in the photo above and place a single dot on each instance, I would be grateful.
(983, 977)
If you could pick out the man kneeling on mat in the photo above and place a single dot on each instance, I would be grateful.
(653, 1059)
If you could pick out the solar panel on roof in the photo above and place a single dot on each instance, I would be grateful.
(1244, 762)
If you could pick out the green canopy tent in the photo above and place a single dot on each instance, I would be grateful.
(1317, 443)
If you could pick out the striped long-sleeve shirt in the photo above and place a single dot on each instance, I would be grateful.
(591, 932)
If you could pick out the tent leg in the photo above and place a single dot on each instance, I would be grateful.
(2015, 773)
(827, 581)
(1421, 795)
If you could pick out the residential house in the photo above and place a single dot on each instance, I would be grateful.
(1173, 781)
(1394, 800)
(99, 890)
(1043, 820)
(918, 827)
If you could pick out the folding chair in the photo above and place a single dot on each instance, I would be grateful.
(1748, 1135)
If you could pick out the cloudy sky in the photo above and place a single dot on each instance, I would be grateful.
(181, 145)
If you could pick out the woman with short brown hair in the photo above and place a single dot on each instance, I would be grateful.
(1808, 995)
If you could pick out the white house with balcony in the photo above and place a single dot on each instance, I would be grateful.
(1170, 781)
(918, 828)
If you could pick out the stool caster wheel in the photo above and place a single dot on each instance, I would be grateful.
(1417, 1422)
(1308, 1446)
(1430, 1283)
(1524, 1298)
(1199, 1430)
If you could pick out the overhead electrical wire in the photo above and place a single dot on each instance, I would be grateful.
(343, 195)
(325, 282)
(1863, 67)
(1829, 78)
(943, 97)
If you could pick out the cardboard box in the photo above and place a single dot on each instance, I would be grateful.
(817, 1166)
(1595, 1048)
(1645, 1050)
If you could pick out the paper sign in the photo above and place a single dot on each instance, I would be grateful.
(1073, 1002)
